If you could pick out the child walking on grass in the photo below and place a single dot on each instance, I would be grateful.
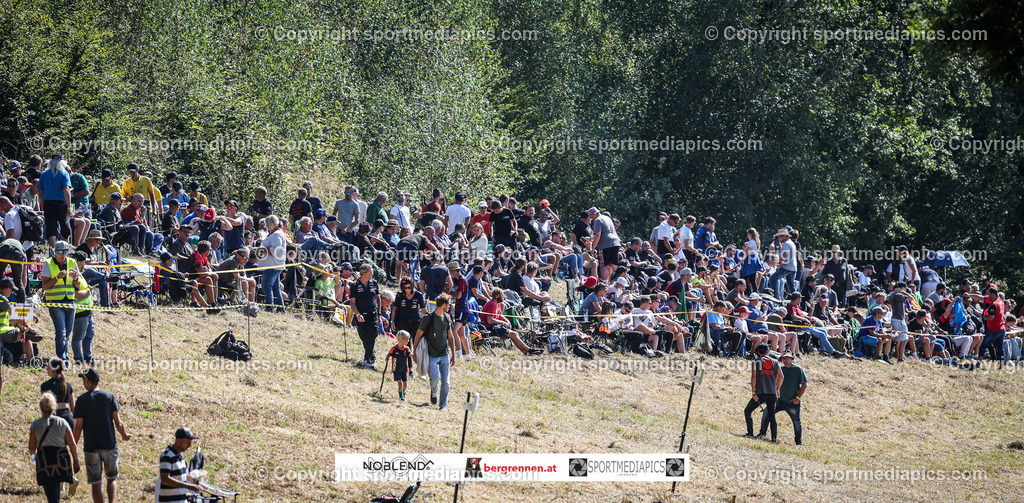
(402, 356)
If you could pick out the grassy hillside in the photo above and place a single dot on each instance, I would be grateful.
(268, 427)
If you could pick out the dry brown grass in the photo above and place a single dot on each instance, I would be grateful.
(259, 427)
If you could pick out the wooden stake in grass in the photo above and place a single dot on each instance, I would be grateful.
(380, 392)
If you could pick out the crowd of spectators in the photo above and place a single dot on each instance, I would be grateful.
(342, 258)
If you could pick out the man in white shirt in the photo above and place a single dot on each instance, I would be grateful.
(457, 213)
(400, 212)
(686, 239)
(667, 235)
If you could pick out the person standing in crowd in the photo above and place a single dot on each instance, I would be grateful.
(84, 330)
(837, 266)
(606, 243)
(766, 379)
(794, 384)
(440, 339)
(55, 185)
(375, 210)
(49, 441)
(459, 213)
(503, 225)
(96, 416)
(347, 212)
(898, 321)
(299, 208)
(314, 202)
(666, 239)
(273, 253)
(365, 304)
(174, 478)
(60, 283)
(994, 315)
(104, 188)
(788, 269)
(138, 184)
(260, 207)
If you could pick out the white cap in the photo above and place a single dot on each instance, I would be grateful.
(622, 281)
(755, 296)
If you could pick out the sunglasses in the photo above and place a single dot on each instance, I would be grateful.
(61, 251)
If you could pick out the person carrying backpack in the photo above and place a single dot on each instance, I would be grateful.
(436, 330)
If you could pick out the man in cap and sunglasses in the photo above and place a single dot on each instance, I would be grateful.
(794, 385)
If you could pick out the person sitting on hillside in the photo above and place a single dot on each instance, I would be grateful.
(493, 320)
(795, 315)
(175, 284)
(930, 343)
(203, 271)
(873, 335)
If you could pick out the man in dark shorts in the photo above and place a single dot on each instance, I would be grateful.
(402, 356)
(765, 380)
(794, 384)
(606, 241)
(96, 415)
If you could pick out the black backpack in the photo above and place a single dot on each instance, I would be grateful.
(582, 351)
(31, 224)
(226, 346)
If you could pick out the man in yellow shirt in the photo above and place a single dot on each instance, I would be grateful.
(137, 184)
(102, 190)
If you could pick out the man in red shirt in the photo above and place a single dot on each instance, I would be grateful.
(133, 215)
(995, 319)
(499, 326)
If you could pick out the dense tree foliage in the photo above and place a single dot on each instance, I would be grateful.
(860, 140)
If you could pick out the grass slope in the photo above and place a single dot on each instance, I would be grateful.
(269, 428)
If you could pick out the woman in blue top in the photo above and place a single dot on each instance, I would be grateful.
(55, 185)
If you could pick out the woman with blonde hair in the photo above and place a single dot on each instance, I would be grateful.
(49, 440)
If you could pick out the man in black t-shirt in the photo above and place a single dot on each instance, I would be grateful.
(299, 208)
(765, 381)
(261, 207)
(503, 225)
(96, 416)
(408, 252)
(581, 229)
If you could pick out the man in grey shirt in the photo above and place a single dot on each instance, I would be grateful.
(606, 240)
(347, 211)
(765, 380)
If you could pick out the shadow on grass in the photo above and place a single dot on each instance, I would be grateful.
(327, 357)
